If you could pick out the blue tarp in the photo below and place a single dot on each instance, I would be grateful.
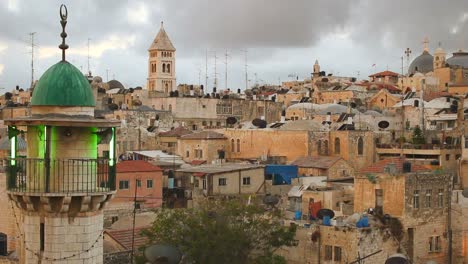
(281, 174)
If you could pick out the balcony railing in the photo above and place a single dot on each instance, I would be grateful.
(417, 146)
(31, 175)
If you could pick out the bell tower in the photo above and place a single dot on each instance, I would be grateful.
(62, 185)
(161, 65)
(439, 58)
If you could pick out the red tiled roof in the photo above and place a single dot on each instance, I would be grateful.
(204, 135)
(379, 166)
(385, 73)
(124, 237)
(321, 162)
(199, 174)
(198, 162)
(136, 166)
(176, 132)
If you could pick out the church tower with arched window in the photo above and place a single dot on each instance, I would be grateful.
(161, 65)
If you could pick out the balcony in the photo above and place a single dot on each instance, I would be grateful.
(59, 176)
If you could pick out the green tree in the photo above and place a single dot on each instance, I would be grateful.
(223, 232)
(418, 137)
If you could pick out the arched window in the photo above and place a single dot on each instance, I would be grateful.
(233, 146)
(337, 145)
(319, 147)
(325, 147)
(360, 146)
(168, 68)
(164, 67)
(238, 145)
(166, 87)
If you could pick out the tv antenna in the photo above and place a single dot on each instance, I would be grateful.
(246, 67)
(215, 72)
(89, 70)
(32, 57)
(206, 69)
(226, 57)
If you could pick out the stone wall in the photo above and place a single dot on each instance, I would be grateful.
(7, 219)
(76, 239)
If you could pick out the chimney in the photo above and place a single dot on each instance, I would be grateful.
(192, 93)
(283, 116)
(350, 120)
(238, 91)
(254, 97)
(328, 117)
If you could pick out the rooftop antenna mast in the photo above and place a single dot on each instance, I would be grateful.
(226, 57)
(246, 72)
(206, 69)
(215, 72)
(89, 70)
(32, 57)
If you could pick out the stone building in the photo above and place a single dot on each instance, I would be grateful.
(168, 139)
(211, 113)
(331, 167)
(161, 65)
(207, 146)
(221, 180)
(417, 197)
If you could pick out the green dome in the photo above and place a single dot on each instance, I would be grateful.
(63, 85)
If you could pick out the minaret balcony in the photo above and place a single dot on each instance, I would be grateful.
(56, 177)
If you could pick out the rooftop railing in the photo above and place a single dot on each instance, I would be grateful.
(33, 175)
(417, 146)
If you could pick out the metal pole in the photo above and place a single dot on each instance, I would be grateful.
(134, 218)
(449, 220)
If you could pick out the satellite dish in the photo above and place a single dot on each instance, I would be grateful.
(465, 193)
(397, 259)
(383, 124)
(325, 212)
(231, 120)
(256, 122)
(163, 254)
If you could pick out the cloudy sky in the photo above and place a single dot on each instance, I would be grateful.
(282, 38)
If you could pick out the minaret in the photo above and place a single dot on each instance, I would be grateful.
(62, 185)
(316, 72)
(161, 65)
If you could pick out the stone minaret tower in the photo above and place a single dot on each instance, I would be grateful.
(61, 186)
(316, 72)
(439, 58)
(161, 65)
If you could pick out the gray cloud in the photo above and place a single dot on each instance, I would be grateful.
(282, 37)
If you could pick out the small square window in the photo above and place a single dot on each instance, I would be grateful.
(222, 181)
(246, 180)
(124, 185)
(149, 184)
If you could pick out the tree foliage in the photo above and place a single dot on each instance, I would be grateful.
(418, 137)
(223, 232)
